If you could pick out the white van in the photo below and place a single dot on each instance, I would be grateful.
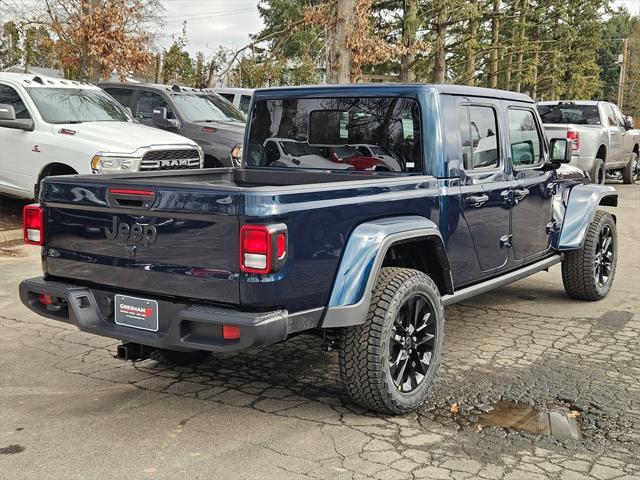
(240, 97)
(50, 126)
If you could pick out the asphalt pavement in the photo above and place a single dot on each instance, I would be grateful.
(69, 409)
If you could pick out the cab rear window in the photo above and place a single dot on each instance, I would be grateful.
(570, 113)
(315, 133)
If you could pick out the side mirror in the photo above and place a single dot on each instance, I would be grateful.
(128, 110)
(560, 150)
(160, 119)
(8, 119)
(629, 123)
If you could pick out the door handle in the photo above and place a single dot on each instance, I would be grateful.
(520, 193)
(478, 200)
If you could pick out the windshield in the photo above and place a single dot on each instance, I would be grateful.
(569, 113)
(297, 148)
(207, 108)
(76, 105)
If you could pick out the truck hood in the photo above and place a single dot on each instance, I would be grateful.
(232, 130)
(120, 137)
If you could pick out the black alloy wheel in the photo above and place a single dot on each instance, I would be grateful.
(412, 343)
(603, 261)
(389, 362)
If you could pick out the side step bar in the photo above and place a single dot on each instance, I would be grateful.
(500, 281)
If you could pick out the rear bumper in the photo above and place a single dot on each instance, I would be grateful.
(182, 326)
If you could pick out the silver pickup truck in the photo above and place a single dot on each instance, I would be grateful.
(605, 143)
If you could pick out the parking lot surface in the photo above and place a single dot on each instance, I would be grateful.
(69, 409)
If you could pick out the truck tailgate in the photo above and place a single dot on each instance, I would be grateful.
(556, 130)
(160, 239)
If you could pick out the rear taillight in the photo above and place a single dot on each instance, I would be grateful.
(33, 224)
(263, 248)
(575, 139)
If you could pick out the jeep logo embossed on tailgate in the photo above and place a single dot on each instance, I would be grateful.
(138, 234)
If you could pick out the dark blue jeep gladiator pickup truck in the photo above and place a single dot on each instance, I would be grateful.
(220, 260)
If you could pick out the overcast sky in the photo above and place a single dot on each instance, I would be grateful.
(229, 22)
(211, 23)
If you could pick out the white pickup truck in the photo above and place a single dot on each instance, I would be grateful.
(50, 126)
(605, 143)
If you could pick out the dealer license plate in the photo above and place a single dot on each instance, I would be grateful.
(136, 312)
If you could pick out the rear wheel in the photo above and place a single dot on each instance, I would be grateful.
(389, 362)
(597, 172)
(587, 274)
(184, 358)
(630, 172)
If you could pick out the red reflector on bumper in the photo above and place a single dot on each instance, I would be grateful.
(229, 332)
(45, 299)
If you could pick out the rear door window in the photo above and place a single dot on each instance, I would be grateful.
(227, 96)
(524, 138)
(479, 136)
(122, 95)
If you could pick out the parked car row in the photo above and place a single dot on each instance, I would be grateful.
(50, 126)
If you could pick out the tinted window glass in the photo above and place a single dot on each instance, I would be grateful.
(524, 138)
(74, 105)
(9, 96)
(479, 136)
(484, 136)
(227, 96)
(462, 114)
(568, 113)
(122, 95)
(391, 123)
(147, 101)
(206, 108)
(245, 100)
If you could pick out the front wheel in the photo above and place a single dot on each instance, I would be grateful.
(587, 274)
(630, 172)
(388, 363)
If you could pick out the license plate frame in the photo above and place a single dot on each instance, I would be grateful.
(135, 312)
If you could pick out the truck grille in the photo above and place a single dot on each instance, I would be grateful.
(170, 160)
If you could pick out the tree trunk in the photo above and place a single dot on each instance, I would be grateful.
(521, 44)
(409, 30)
(495, 42)
(470, 67)
(93, 66)
(439, 47)
(338, 53)
(156, 71)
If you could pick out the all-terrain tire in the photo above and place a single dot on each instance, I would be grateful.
(183, 358)
(579, 266)
(364, 350)
(598, 173)
(630, 172)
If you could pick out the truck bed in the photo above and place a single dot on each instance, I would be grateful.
(238, 179)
